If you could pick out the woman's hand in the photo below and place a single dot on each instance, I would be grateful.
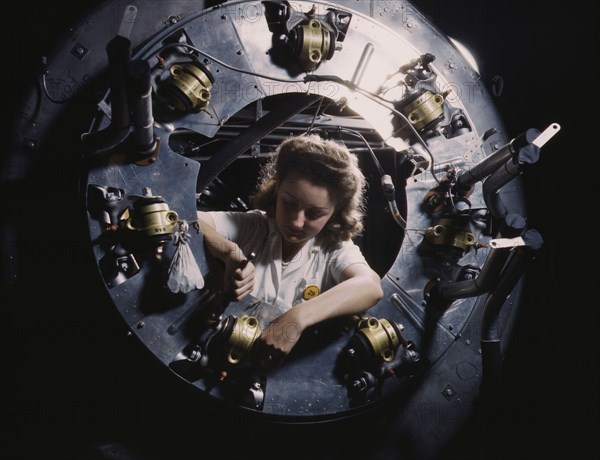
(238, 277)
(278, 339)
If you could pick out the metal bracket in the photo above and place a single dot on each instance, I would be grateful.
(546, 135)
(500, 243)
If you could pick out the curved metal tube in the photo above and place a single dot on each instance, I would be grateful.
(482, 283)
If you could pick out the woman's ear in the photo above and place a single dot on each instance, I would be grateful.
(333, 225)
(333, 222)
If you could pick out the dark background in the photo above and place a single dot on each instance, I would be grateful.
(550, 406)
(546, 52)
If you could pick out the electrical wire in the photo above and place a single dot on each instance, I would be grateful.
(221, 63)
(155, 52)
(386, 180)
(381, 101)
(312, 123)
(374, 97)
(360, 136)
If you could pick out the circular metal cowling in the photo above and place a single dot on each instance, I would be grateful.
(226, 86)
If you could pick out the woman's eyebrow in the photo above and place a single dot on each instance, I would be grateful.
(313, 208)
(290, 195)
(319, 208)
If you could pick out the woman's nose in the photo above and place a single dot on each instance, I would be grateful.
(298, 219)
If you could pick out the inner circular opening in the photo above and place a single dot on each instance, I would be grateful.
(234, 186)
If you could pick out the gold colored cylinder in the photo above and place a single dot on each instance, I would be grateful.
(245, 331)
(381, 335)
(315, 45)
(425, 109)
(188, 88)
(447, 233)
(154, 219)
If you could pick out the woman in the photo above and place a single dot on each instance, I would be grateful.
(309, 205)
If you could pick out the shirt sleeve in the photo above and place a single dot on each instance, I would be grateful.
(341, 258)
(243, 228)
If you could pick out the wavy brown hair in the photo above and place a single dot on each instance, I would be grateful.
(324, 163)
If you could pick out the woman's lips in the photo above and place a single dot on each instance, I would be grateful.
(294, 233)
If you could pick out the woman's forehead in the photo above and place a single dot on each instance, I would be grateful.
(306, 191)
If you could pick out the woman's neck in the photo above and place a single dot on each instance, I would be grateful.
(289, 250)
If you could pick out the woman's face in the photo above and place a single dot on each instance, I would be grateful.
(302, 209)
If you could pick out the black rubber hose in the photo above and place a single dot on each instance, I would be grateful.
(140, 92)
(528, 154)
(119, 55)
(515, 267)
(491, 163)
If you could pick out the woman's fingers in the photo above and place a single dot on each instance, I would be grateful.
(240, 293)
(242, 282)
(267, 356)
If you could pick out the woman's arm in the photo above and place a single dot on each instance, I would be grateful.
(359, 290)
(239, 273)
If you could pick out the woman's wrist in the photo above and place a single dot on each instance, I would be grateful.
(232, 253)
(301, 315)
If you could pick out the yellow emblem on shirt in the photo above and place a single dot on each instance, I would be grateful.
(311, 291)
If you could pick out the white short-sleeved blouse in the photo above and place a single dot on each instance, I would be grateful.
(276, 283)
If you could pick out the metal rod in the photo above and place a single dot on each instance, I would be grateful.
(404, 306)
(362, 63)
